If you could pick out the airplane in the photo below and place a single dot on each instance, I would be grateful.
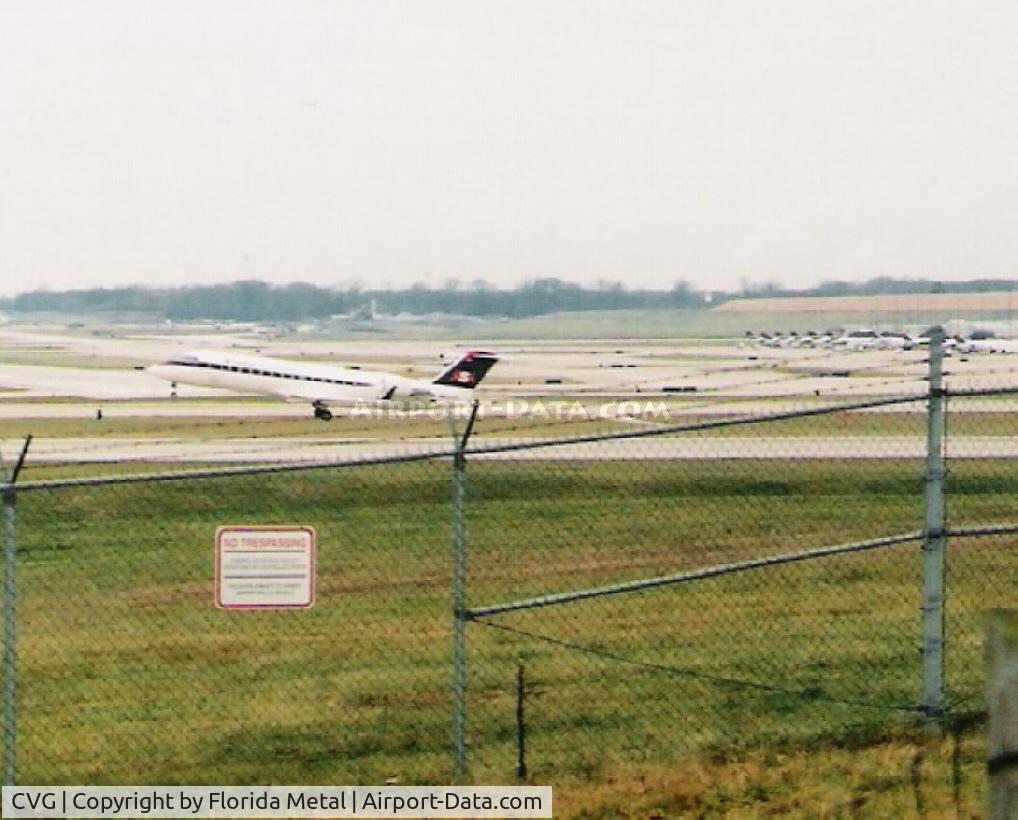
(322, 385)
(987, 345)
(823, 340)
(857, 340)
(892, 340)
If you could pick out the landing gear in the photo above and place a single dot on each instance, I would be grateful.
(322, 412)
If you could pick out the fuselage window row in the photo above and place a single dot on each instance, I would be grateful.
(255, 372)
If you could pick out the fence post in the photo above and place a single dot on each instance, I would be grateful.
(10, 728)
(459, 602)
(10, 636)
(934, 542)
(521, 725)
(1002, 702)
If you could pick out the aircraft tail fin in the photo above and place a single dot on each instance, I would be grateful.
(467, 371)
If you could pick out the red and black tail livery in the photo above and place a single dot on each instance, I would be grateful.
(468, 370)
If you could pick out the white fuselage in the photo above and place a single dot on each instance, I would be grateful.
(857, 340)
(303, 381)
(988, 346)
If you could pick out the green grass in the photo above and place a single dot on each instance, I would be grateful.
(559, 419)
(128, 674)
(764, 692)
(57, 357)
(893, 777)
(565, 326)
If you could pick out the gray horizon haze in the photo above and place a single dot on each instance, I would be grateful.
(393, 142)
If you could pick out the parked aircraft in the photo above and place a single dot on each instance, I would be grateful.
(897, 340)
(863, 339)
(987, 345)
(320, 384)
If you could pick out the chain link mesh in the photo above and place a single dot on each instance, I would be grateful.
(129, 674)
(791, 652)
(981, 492)
(732, 589)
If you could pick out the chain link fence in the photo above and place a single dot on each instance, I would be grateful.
(619, 602)
(128, 674)
(739, 632)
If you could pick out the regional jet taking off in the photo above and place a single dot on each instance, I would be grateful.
(320, 384)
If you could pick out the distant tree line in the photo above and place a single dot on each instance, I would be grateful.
(880, 286)
(258, 301)
(251, 300)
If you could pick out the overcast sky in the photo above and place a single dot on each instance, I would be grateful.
(393, 142)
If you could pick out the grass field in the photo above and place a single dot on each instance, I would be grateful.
(789, 690)
(769, 688)
(56, 357)
(556, 419)
(573, 325)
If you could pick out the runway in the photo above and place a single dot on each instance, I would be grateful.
(654, 448)
(629, 386)
(675, 409)
(44, 365)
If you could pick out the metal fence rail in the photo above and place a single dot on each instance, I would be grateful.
(717, 584)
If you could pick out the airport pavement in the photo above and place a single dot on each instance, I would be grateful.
(517, 407)
(528, 367)
(240, 451)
